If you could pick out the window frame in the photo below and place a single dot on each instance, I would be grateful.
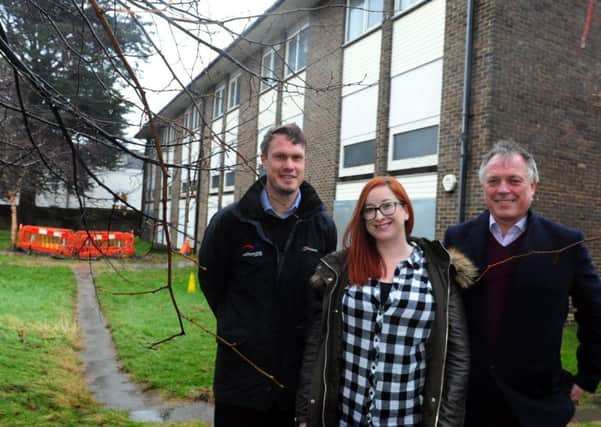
(234, 80)
(269, 79)
(293, 68)
(365, 9)
(413, 162)
(215, 165)
(218, 101)
(397, 6)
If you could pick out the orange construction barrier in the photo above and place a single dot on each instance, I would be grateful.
(69, 243)
(94, 244)
(50, 240)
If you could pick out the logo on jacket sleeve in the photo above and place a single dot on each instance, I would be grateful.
(252, 250)
(309, 249)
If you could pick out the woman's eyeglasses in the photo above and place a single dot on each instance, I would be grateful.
(386, 209)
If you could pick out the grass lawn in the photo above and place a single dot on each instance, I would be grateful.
(41, 382)
(182, 367)
(40, 371)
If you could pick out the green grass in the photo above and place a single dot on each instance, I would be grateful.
(182, 367)
(41, 382)
(4, 239)
(568, 351)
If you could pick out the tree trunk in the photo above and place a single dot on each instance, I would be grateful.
(12, 198)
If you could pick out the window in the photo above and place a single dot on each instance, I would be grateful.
(192, 118)
(400, 5)
(362, 16)
(359, 154)
(218, 102)
(215, 163)
(230, 179)
(296, 52)
(269, 68)
(415, 143)
(233, 93)
(215, 182)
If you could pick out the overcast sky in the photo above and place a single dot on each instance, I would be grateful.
(186, 56)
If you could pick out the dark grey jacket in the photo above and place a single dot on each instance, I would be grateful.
(448, 353)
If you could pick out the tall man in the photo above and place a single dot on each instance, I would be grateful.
(259, 254)
(517, 313)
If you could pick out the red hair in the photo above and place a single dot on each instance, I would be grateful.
(364, 260)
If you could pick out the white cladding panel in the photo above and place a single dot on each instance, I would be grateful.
(227, 199)
(217, 126)
(361, 63)
(181, 222)
(293, 97)
(231, 138)
(231, 127)
(416, 95)
(267, 108)
(349, 190)
(191, 221)
(418, 37)
(359, 111)
(420, 186)
(211, 207)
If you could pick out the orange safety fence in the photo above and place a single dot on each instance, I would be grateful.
(48, 240)
(94, 244)
(70, 243)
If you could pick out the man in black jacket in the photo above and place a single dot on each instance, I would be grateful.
(258, 255)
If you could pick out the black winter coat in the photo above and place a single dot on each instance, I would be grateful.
(448, 352)
(260, 294)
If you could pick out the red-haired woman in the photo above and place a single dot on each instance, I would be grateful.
(389, 345)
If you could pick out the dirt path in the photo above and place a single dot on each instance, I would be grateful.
(108, 384)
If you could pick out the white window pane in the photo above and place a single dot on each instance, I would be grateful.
(303, 47)
(291, 56)
(375, 13)
(355, 19)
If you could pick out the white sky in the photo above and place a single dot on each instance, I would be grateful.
(185, 55)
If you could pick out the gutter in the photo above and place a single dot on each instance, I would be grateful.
(467, 91)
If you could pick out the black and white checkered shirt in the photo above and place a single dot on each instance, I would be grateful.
(384, 348)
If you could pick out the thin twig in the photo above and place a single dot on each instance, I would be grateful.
(555, 251)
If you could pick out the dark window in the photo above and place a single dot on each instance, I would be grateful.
(415, 143)
(230, 179)
(215, 181)
(362, 153)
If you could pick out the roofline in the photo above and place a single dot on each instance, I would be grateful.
(174, 107)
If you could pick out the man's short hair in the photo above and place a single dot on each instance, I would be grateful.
(290, 130)
(509, 148)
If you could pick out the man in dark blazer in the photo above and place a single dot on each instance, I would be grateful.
(517, 312)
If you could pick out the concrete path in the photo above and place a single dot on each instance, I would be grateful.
(109, 385)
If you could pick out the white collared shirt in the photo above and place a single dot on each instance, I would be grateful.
(512, 234)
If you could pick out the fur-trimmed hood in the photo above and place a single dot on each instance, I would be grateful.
(465, 271)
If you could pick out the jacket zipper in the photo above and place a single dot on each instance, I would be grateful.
(446, 338)
(325, 382)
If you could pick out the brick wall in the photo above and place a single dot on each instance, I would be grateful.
(247, 132)
(322, 98)
(533, 83)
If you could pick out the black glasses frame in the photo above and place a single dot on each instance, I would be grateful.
(371, 212)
